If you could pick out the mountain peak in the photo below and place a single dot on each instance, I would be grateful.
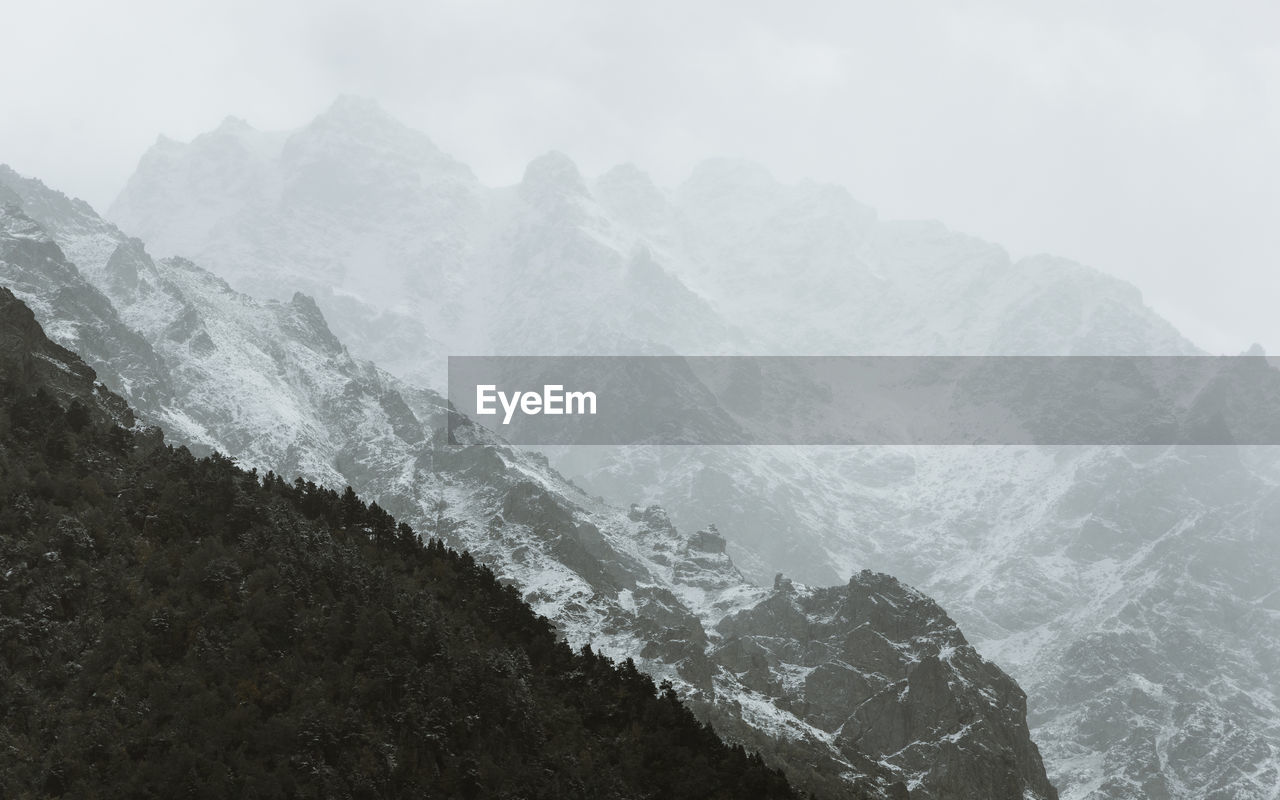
(8, 172)
(630, 192)
(627, 174)
(629, 183)
(359, 125)
(551, 179)
(350, 109)
(312, 324)
(554, 169)
(723, 183)
(234, 124)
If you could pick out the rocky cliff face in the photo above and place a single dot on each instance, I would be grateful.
(82, 317)
(883, 671)
(1127, 589)
(267, 382)
(30, 359)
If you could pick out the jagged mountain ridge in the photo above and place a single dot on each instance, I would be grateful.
(1001, 538)
(176, 626)
(629, 582)
(409, 256)
(717, 265)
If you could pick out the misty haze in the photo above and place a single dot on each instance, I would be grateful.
(262, 534)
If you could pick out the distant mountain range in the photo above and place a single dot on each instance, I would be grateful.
(267, 383)
(1130, 590)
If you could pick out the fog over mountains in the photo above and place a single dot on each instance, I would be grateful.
(291, 299)
(866, 689)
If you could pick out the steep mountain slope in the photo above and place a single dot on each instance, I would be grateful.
(181, 627)
(628, 582)
(83, 317)
(1007, 539)
(301, 403)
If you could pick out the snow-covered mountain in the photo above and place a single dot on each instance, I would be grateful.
(267, 382)
(408, 255)
(1130, 590)
(1102, 577)
(383, 227)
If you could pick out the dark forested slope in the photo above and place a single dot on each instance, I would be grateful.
(173, 626)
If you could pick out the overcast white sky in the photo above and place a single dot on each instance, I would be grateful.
(1139, 137)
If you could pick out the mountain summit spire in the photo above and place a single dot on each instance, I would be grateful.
(357, 109)
(550, 179)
